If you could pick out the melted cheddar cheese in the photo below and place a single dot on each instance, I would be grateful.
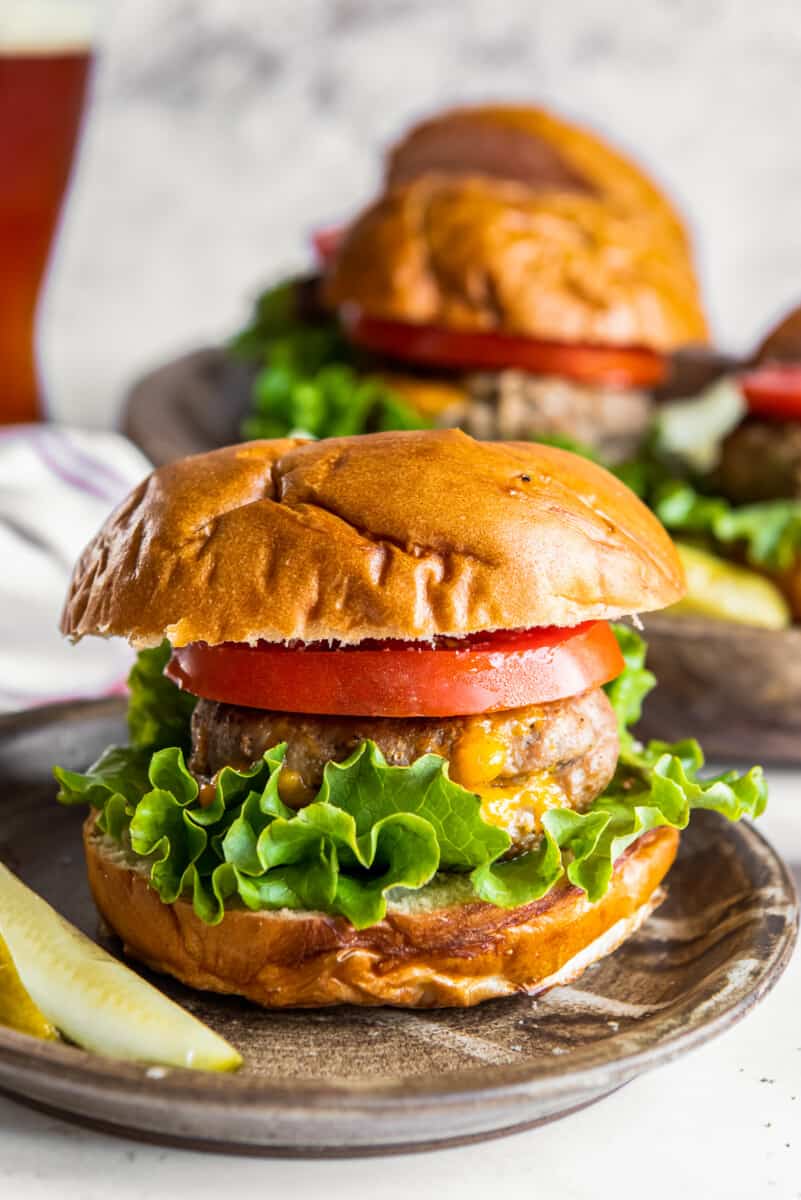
(477, 758)
(476, 762)
(519, 808)
(430, 397)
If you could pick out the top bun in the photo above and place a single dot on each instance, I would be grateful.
(389, 535)
(510, 220)
(533, 147)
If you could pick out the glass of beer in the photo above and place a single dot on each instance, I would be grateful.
(45, 54)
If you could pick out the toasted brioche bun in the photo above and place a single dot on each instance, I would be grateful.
(530, 146)
(477, 254)
(456, 953)
(392, 535)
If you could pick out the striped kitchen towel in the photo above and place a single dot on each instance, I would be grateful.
(57, 485)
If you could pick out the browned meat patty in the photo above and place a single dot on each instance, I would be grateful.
(521, 762)
(514, 405)
(761, 460)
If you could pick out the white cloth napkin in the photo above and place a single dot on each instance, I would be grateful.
(57, 486)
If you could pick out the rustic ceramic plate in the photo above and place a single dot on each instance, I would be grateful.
(737, 688)
(188, 406)
(356, 1081)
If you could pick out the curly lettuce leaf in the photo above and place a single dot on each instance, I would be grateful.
(158, 711)
(310, 378)
(628, 691)
(766, 533)
(276, 312)
(335, 854)
(374, 827)
(769, 532)
(334, 401)
(120, 771)
(370, 791)
(652, 787)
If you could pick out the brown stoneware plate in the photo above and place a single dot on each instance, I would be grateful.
(735, 687)
(359, 1081)
(189, 406)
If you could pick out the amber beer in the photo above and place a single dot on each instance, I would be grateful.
(41, 97)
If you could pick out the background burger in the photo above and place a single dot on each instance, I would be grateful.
(761, 458)
(396, 767)
(516, 277)
(723, 473)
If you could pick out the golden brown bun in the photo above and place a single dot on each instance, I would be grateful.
(454, 956)
(530, 146)
(389, 535)
(481, 254)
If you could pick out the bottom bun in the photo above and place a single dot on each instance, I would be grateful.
(439, 947)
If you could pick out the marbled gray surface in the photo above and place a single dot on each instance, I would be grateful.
(222, 131)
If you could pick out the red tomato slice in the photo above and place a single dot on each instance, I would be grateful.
(326, 242)
(774, 391)
(483, 673)
(429, 345)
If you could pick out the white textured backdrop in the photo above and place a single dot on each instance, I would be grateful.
(222, 131)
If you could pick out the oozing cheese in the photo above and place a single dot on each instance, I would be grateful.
(476, 762)
(478, 758)
(519, 809)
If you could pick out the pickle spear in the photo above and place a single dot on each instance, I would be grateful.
(729, 592)
(17, 1010)
(92, 998)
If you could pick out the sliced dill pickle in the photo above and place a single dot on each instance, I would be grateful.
(729, 592)
(17, 1010)
(93, 999)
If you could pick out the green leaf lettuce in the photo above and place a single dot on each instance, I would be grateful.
(765, 534)
(158, 711)
(769, 532)
(310, 378)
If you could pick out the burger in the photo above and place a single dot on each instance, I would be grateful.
(379, 722)
(723, 472)
(760, 458)
(516, 277)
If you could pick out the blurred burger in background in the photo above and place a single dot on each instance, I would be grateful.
(761, 458)
(517, 277)
(722, 470)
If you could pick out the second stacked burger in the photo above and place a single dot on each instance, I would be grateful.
(516, 277)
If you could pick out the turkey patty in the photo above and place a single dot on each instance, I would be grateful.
(515, 405)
